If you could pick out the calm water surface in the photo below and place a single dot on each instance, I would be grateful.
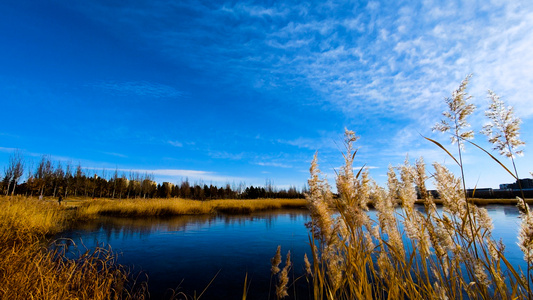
(186, 252)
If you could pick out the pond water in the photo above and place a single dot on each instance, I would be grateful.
(186, 252)
(189, 251)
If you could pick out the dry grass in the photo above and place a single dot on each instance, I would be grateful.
(171, 207)
(249, 206)
(29, 270)
(23, 219)
(482, 201)
(446, 253)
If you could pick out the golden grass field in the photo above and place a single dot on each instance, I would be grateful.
(29, 270)
(176, 206)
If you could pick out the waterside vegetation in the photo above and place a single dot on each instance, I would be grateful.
(29, 270)
(171, 207)
(404, 253)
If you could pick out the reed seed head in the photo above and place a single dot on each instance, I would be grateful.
(455, 117)
(307, 265)
(407, 190)
(503, 129)
(283, 279)
(483, 218)
(440, 291)
(449, 188)
(522, 205)
(481, 275)
(525, 237)
(275, 261)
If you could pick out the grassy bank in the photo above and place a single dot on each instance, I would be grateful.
(176, 206)
(29, 270)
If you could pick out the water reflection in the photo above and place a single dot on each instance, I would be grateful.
(511, 211)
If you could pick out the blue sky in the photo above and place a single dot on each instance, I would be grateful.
(248, 91)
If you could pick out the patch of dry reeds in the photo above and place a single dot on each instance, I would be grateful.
(404, 253)
(29, 270)
(176, 206)
(249, 206)
(446, 253)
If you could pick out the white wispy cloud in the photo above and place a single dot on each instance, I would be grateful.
(140, 88)
(272, 164)
(115, 154)
(357, 168)
(325, 142)
(8, 150)
(177, 175)
(176, 143)
(351, 54)
(226, 155)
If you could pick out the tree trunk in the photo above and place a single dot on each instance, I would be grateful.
(8, 185)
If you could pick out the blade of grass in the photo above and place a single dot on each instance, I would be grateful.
(210, 282)
(360, 170)
(495, 159)
(245, 290)
(442, 147)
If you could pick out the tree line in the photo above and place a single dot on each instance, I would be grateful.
(54, 179)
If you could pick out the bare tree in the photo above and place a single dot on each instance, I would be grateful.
(14, 171)
(115, 178)
(102, 183)
(30, 182)
(147, 185)
(68, 178)
(122, 184)
(58, 177)
(8, 178)
(47, 173)
(79, 177)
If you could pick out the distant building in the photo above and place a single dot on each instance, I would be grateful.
(525, 183)
(505, 186)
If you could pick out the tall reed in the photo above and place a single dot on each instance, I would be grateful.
(446, 253)
(404, 253)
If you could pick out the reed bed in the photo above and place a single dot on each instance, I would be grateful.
(443, 253)
(30, 270)
(24, 220)
(249, 206)
(483, 202)
(143, 207)
(446, 253)
(172, 206)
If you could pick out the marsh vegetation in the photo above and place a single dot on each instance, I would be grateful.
(406, 253)
(30, 269)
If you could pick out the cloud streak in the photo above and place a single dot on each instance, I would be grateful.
(368, 58)
(140, 88)
(176, 175)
